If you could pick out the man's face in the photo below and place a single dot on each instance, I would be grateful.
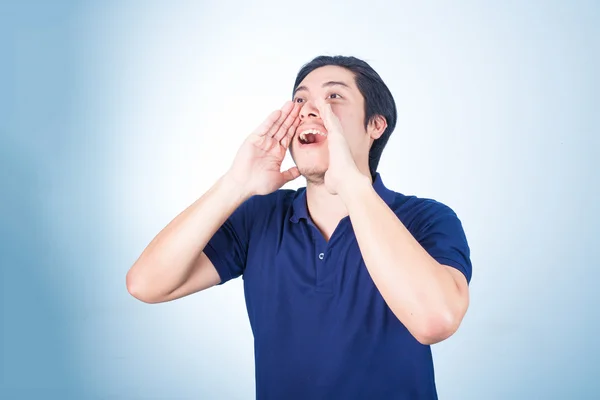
(336, 86)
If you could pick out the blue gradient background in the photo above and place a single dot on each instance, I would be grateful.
(115, 116)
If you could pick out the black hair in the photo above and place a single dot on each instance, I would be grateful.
(377, 96)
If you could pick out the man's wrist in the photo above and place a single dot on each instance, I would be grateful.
(234, 189)
(354, 187)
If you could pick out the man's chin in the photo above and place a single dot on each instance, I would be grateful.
(313, 175)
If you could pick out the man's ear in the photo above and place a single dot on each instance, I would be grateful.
(376, 126)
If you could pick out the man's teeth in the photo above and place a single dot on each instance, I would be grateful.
(313, 131)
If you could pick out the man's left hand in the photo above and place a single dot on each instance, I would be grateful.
(342, 169)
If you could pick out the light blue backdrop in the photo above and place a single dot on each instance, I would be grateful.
(114, 117)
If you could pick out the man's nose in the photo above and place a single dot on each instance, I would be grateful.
(309, 110)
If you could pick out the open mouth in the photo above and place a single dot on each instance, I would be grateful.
(312, 136)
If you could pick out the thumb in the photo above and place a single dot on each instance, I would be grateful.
(290, 174)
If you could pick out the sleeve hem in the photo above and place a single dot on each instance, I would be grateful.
(218, 263)
(454, 264)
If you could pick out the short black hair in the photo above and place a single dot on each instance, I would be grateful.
(378, 98)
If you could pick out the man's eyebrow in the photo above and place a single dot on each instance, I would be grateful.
(326, 84)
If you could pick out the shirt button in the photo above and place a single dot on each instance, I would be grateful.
(321, 256)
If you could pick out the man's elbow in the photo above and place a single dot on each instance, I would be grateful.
(136, 288)
(438, 328)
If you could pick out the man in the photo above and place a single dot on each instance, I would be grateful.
(347, 283)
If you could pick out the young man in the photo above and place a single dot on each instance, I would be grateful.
(347, 283)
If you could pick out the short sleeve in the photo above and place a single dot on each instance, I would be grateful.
(228, 248)
(442, 235)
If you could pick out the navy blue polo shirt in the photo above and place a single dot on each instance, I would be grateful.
(321, 328)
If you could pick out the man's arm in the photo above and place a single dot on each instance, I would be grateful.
(174, 265)
(429, 298)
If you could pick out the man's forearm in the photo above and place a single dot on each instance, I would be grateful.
(422, 293)
(167, 261)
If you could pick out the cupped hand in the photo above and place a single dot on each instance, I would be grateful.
(257, 165)
(342, 167)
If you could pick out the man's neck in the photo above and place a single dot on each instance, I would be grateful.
(325, 209)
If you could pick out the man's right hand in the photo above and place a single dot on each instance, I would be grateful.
(257, 165)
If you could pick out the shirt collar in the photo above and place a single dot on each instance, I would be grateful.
(300, 208)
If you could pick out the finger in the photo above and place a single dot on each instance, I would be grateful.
(330, 120)
(324, 112)
(289, 121)
(267, 124)
(288, 106)
(289, 136)
(290, 174)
